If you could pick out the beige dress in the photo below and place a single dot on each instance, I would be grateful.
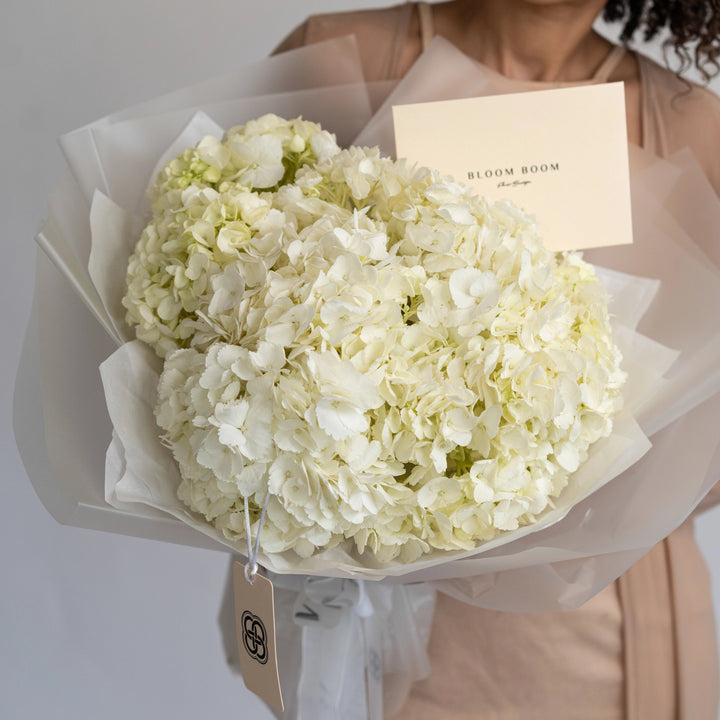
(642, 649)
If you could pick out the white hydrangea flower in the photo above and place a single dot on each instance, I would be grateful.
(209, 213)
(401, 365)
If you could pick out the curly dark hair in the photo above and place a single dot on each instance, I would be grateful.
(693, 28)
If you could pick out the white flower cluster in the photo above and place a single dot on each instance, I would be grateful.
(207, 216)
(400, 365)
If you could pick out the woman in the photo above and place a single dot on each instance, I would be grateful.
(645, 646)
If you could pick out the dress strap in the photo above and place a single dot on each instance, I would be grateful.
(608, 65)
(427, 30)
(399, 40)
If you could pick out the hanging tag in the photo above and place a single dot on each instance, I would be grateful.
(255, 627)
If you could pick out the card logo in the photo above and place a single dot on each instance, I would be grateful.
(254, 637)
(513, 176)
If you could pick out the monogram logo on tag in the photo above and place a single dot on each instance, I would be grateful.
(254, 635)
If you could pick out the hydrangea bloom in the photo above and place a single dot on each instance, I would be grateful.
(211, 218)
(401, 365)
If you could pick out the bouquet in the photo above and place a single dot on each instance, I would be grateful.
(404, 377)
(389, 359)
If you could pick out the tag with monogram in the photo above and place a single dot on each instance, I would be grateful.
(255, 626)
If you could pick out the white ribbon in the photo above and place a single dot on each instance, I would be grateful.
(252, 567)
(356, 662)
(342, 656)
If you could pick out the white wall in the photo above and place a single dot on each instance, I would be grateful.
(94, 625)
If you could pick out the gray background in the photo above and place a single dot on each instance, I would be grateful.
(94, 625)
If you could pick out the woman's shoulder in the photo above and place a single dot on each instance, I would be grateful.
(683, 114)
(679, 92)
(384, 36)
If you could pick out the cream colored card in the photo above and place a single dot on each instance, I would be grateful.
(559, 154)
